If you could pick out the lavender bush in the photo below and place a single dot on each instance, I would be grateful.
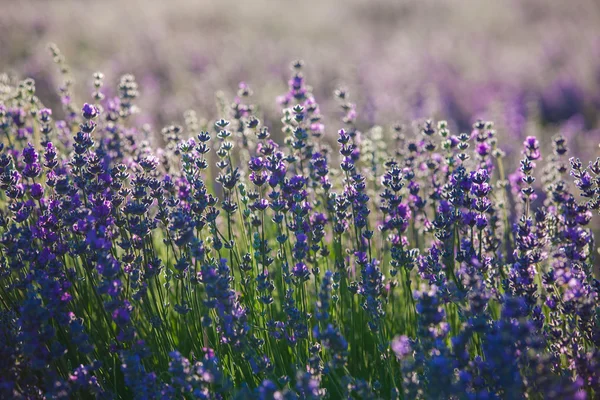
(402, 262)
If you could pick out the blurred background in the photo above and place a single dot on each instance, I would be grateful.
(530, 65)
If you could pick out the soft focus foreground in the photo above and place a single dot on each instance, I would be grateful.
(226, 265)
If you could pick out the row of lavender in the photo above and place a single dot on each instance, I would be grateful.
(399, 265)
(510, 62)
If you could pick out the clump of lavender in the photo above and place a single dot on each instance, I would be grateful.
(229, 264)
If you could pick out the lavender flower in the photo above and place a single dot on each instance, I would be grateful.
(278, 268)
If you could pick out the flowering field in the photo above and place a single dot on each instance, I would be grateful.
(299, 246)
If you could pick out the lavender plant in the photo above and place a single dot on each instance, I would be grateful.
(224, 264)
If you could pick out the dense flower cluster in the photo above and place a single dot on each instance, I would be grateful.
(225, 264)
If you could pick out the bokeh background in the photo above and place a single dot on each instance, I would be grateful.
(533, 66)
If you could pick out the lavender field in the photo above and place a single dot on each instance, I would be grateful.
(299, 200)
